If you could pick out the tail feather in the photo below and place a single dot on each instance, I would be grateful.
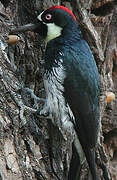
(75, 166)
(90, 156)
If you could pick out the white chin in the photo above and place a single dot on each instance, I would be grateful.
(53, 31)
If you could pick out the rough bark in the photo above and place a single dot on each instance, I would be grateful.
(30, 147)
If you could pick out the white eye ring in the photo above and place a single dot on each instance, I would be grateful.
(48, 16)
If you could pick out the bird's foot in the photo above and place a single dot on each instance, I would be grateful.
(43, 113)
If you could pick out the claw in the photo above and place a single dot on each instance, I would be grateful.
(43, 114)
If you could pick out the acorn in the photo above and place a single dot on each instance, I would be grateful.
(110, 96)
(13, 39)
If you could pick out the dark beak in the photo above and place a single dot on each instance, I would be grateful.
(27, 27)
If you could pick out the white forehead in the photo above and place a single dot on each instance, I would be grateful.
(39, 16)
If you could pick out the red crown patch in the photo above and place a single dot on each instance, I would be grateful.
(64, 8)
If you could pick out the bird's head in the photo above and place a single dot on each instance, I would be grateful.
(51, 22)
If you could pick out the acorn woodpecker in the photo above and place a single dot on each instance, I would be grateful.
(72, 84)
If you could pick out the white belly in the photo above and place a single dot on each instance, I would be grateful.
(59, 110)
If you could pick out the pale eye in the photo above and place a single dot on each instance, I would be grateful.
(48, 17)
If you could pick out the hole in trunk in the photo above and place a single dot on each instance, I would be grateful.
(103, 10)
(5, 3)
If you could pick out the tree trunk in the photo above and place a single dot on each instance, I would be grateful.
(30, 147)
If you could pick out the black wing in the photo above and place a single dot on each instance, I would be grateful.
(82, 92)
